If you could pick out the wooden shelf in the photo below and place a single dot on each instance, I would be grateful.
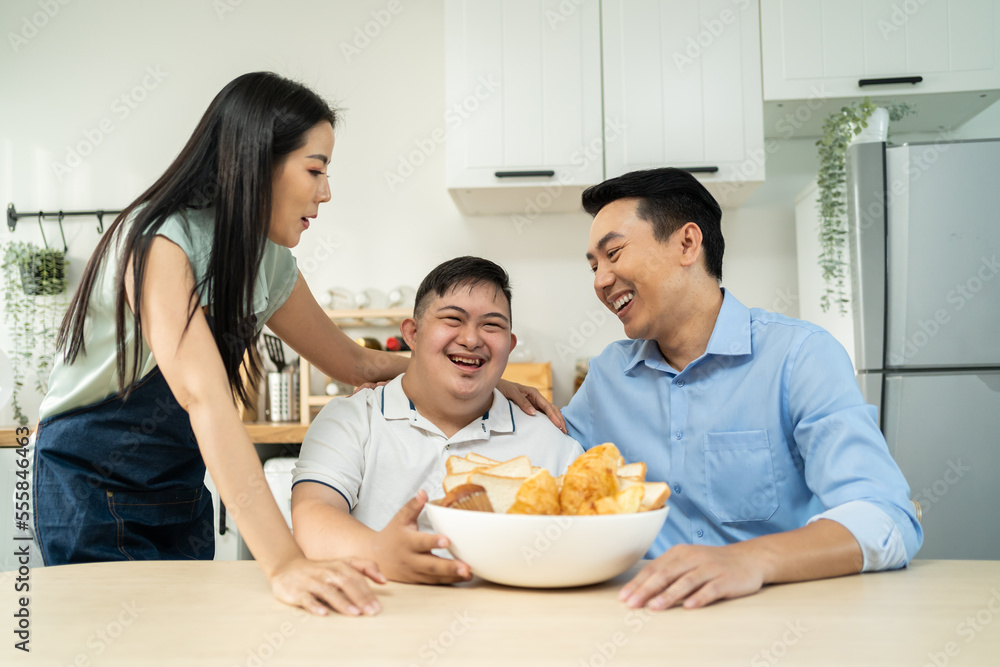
(276, 432)
(319, 400)
(368, 317)
(382, 317)
(8, 437)
(260, 432)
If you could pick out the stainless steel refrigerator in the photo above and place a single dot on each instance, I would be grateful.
(924, 230)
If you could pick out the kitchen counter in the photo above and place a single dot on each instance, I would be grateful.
(260, 433)
(222, 613)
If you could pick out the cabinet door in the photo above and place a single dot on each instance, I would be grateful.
(823, 48)
(523, 92)
(682, 89)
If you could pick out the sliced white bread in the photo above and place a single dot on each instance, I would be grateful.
(654, 495)
(478, 458)
(634, 471)
(456, 479)
(502, 491)
(516, 467)
(458, 464)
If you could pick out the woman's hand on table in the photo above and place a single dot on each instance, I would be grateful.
(405, 552)
(528, 399)
(693, 576)
(318, 586)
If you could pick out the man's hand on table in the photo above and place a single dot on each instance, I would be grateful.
(697, 575)
(694, 576)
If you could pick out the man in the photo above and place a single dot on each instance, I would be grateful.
(366, 456)
(778, 470)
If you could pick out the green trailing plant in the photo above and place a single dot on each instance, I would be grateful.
(34, 302)
(839, 129)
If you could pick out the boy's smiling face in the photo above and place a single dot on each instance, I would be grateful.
(461, 342)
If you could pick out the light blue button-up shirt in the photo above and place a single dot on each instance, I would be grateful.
(765, 432)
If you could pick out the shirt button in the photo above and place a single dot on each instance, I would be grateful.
(677, 488)
(679, 435)
(680, 383)
(700, 532)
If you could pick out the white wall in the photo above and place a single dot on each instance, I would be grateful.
(61, 83)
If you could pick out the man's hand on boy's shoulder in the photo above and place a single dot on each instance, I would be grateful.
(404, 553)
(528, 399)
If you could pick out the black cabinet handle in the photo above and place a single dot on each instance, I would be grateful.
(893, 79)
(699, 170)
(222, 518)
(524, 174)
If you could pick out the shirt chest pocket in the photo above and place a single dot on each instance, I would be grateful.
(739, 476)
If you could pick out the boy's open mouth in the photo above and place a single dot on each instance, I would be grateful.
(465, 362)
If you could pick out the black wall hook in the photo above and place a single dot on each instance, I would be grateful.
(42, 230)
(63, 234)
(13, 216)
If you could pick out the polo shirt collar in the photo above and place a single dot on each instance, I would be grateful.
(393, 401)
(730, 337)
(395, 404)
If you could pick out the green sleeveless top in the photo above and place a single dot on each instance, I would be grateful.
(91, 378)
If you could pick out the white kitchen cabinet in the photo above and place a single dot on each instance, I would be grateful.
(523, 104)
(941, 55)
(682, 80)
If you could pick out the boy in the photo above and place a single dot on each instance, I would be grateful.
(366, 456)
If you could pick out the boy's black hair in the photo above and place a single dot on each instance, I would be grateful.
(463, 271)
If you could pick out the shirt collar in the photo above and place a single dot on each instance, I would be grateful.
(730, 337)
(395, 404)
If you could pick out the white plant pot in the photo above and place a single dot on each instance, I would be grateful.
(877, 130)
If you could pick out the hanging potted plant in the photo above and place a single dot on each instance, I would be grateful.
(34, 302)
(839, 130)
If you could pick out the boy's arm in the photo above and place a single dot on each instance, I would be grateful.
(322, 522)
(323, 525)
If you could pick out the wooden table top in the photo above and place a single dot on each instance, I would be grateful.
(222, 613)
(260, 432)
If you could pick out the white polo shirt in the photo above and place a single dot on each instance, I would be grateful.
(377, 451)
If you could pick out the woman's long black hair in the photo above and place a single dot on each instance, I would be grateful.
(227, 164)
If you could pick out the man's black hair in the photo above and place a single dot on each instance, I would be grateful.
(669, 198)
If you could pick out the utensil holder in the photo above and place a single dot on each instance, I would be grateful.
(282, 396)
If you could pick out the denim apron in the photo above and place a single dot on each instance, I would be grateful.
(122, 480)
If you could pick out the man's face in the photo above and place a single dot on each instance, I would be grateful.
(462, 340)
(635, 276)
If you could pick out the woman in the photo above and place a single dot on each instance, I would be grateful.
(176, 292)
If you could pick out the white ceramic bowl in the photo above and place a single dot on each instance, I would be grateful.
(546, 551)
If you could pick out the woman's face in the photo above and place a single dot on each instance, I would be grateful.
(300, 186)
